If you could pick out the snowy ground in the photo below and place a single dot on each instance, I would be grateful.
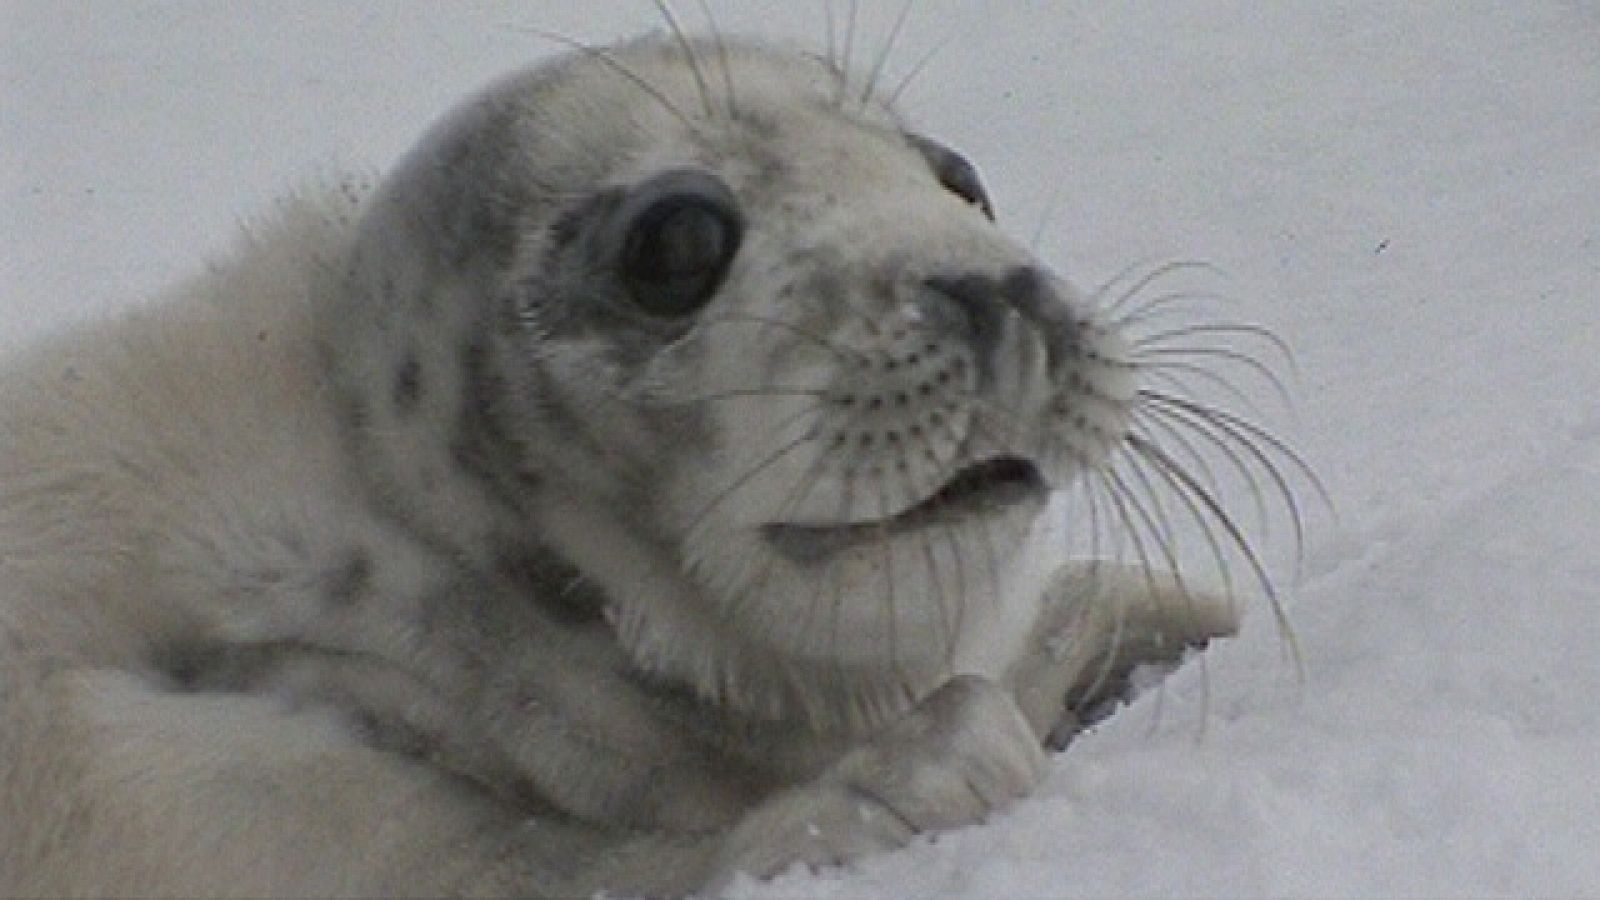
(1408, 192)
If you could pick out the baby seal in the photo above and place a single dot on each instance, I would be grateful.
(637, 488)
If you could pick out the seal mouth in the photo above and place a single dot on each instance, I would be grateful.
(980, 489)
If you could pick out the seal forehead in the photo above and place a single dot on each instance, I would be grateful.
(623, 112)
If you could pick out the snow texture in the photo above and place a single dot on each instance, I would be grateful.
(1408, 192)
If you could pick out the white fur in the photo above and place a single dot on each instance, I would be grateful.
(181, 481)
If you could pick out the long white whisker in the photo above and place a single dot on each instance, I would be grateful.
(1164, 353)
(1246, 549)
(1224, 571)
(915, 72)
(1154, 275)
(1246, 329)
(689, 55)
(879, 64)
(610, 61)
(849, 52)
(721, 41)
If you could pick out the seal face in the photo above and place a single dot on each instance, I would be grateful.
(785, 336)
(638, 487)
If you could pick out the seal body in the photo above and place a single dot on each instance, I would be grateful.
(638, 487)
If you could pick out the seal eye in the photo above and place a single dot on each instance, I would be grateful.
(958, 176)
(680, 243)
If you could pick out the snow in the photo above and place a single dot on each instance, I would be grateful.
(1408, 193)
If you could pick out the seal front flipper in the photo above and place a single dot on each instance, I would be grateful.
(1103, 622)
(964, 752)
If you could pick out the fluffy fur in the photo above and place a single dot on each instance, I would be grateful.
(399, 554)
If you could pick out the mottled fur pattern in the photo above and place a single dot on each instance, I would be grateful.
(399, 554)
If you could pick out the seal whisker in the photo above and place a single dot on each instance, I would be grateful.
(1277, 444)
(804, 484)
(961, 599)
(807, 436)
(1218, 555)
(915, 72)
(1251, 437)
(954, 628)
(1160, 272)
(945, 630)
(1245, 329)
(1130, 532)
(832, 42)
(1175, 373)
(1052, 205)
(797, 494)
(1101, 291)
(884, 52)
(1091, 497)
(848, 62)
(886, 567)
(991, 560)
(1240, 541)
(838, 350)
(1224, 444)
(948, 431)
(1153, 519)
(775, 392)
(1194, 303)
(690, 56)
(991, 554)
(1149, 420)
(609, 60)
(1228, 355)
(721, 41)
(1146, 502)
(846, 500)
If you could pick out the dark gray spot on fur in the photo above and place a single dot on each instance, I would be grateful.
(184, 665)
(482, 197)
(217, 667)
(578, 222)
(552, 582)
(347, 583)
(408, 386)
(480, 446)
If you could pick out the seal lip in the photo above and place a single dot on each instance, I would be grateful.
(980, 489)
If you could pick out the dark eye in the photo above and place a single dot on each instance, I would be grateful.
(958, 176)
(680, 242)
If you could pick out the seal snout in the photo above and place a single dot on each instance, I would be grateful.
(995, 314)
(1038, 356)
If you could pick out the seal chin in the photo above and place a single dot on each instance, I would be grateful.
(998, 486)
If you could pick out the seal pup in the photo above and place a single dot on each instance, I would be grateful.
(637, 488)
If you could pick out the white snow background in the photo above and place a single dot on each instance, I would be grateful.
(1407, 192)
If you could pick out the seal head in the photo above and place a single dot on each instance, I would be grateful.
(758, 363)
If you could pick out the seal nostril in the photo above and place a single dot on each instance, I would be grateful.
(967, 305)
(1027, 289)
(968, 308)
(974, 307)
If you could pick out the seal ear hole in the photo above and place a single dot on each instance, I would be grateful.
(955, 173)
(682, 230)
